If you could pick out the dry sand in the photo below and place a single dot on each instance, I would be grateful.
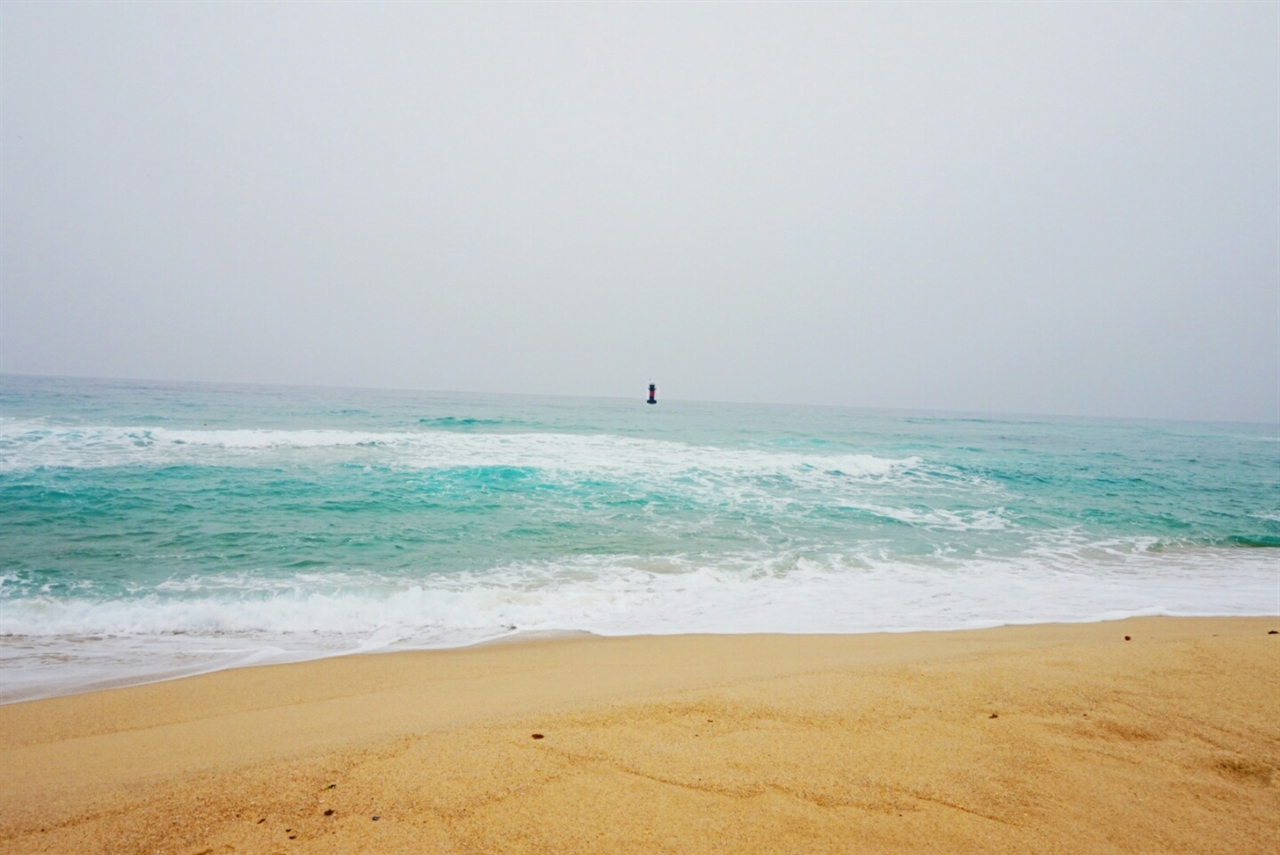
(1020, 739)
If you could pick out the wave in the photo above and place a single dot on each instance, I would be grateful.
(468, 423)
(986, 519)
(629, 594)
(54, 645)
(27, 445)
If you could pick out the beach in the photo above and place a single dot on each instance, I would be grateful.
(1046, 738)
(774, 428)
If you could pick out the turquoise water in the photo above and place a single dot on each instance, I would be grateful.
(148, 530)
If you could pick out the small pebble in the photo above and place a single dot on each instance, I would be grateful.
(1273, 632)
(1126, 638)
(376, 818)
(993, 715)
(329, 812)
(538, 736)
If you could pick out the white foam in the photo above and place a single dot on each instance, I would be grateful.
(27, 445)
(55, 645)
(989, 519)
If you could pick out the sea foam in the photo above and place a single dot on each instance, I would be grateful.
(221, 619)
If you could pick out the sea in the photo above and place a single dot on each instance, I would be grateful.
(154, 530)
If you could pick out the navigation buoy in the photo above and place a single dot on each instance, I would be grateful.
(653, 394)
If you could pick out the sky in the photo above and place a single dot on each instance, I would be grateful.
(1032, 208)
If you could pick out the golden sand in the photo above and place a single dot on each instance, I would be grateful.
(1020, 739)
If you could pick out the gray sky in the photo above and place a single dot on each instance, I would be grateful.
(1055, 208)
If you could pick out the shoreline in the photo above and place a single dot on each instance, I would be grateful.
(1036, 736)
(254, 659)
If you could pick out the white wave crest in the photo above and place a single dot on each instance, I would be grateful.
(28, 445)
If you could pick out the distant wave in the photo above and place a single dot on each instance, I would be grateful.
(28, 445)
(464, 423)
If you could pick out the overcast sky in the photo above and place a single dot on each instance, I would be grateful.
(1049, 208)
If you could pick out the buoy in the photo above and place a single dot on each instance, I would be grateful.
(653, 393)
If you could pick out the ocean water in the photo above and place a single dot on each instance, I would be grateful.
(149, 530)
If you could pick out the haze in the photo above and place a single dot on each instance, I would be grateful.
(1044, 208)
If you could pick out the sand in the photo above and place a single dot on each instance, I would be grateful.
(1019, 739)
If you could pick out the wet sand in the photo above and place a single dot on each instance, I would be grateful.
(1021, 739)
